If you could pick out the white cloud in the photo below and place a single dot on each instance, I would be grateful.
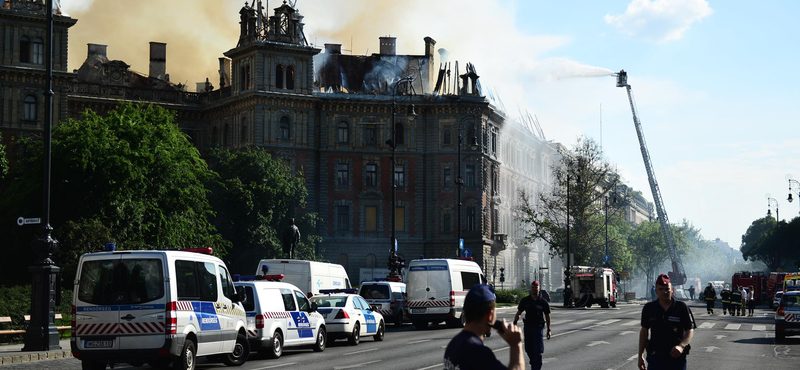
(660, 20)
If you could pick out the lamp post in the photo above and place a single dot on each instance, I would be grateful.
(393, 265)
(769, 210)
(792, 184)
(459, 180)
(42, 334)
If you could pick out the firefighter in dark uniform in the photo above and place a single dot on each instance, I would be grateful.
(670, 325)
(710, 295)
(736, 302)
(537, 314)
(725, 294)
(467, 351)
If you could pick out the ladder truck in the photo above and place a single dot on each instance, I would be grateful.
(677, 276)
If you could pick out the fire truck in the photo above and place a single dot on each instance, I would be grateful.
(593, 285)
(752, 278)
(774, 284)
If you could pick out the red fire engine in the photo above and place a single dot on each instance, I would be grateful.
(774, 284)
(754, 278)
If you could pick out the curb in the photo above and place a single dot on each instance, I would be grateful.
(23, 357)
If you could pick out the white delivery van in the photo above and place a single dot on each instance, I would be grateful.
(309, 276)
(156, 307)
(436, 289)
(280, 316)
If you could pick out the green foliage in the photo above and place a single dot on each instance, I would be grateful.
(3, 159)
(76, 238)
(777, 247)
(510, 295)
(16, 303)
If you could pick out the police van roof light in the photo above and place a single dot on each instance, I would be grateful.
(110, 247)
(206, 250)
(273, 277)
(465, 258)
(396, 279)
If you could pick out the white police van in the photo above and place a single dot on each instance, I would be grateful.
(158, 307)
(279, 315)
(436, 289)
(386, 296)
(309, 276)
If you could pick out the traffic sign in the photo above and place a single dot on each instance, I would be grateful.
(461, 243)
(28, 221)
(606, 258)
(466, 253)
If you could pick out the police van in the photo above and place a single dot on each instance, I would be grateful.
(279, 316)
(156, 307)
(436, 289)
(386, 297)
(309, 276)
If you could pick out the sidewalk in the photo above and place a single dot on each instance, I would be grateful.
(13, 354)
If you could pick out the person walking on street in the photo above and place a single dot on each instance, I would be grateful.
(725, 294)
(744, 300)
(653, 293)
(467, 351)
(667, 329)
(710, 295)
(691, 292)
(736, 302)
(751, 302)
(537, 314)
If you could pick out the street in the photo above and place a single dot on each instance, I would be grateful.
(592, 338)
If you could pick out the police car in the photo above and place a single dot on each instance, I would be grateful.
(347, 315)
(156, 307)
(787, 317)
(386, 297)
(279, 315)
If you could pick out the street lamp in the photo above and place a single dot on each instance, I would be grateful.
(393, 266)
(769, 210)
(792, 184)
(460, 181)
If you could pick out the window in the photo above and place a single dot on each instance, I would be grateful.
(446, 223)
(371, 219)
(302, 302)
(371, 177)
(400, 218)
(247, 78)
(243, 133)
(241, 78)
(126, 281)
(399, 131)
(227, 285)
(447, 178)
(468, 279)
(470, 175)
(342, 218)
(375, 291)
(447, 137)
(399, 176)
(372, 262)
(288, 300)
(225, 135)
(30, 108)
(342, 260)
(250, 299)
(470, 218)
(342, 174)
(196, 281)
(370, 135)
(494, 142)
(285, 132)
(38, 51)
(343, 132)
(24, 49)
(279, 76)
(290, 77)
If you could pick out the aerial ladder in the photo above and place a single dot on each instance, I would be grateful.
(677, 276)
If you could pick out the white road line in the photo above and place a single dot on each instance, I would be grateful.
(633, 357)
(564, 333)
(500, 349)
(357, 352)
(707, 325)
(733, 326)
(356, 365)
(760, 327)
(607, 322)
(420, 341)
(632, 322)
(584, 322)
(274, 366)
(557, 322)
(430, 367)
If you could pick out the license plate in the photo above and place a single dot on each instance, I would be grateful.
(98, 344)
(418, 310)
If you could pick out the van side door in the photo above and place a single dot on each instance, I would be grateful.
(302, 321)
(142, 314)
(97, 313)
(227, 310)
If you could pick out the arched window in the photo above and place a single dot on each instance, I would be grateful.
(399, 131)
(343, 260)
(30, 108)
(279, 76)
(372, 262)
(243, 133)
(290, 77)
(344, 132)
(24, 49)
(38, 51)
(285, 131)
(225, 136)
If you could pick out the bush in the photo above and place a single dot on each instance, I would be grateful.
(510, 295)
(16, 303)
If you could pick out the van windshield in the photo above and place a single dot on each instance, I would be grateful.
(125, 281)
(375, 291)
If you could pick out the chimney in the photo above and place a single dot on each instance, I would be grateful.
(97, 49)
(388, 45)
(429, 47)
(333, 49)
(158, 60)
(224, 72)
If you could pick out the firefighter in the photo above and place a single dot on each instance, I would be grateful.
(736, 302)
(725, 294)
(710, 295)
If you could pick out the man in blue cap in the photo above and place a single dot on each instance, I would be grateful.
(467, 351)
(537, 314)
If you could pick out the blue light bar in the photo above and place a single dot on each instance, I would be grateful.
(110, 247)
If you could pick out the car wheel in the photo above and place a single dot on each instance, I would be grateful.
(779, 337)
(355, 336)
(381, 331)
(322, 339)
(421, 325)
(93, 365)
(188, 358)
(276, 349)
(240, 354)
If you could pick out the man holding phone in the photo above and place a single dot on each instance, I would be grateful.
(537, 313)
(466, 350)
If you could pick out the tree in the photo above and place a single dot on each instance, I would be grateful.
(753, 236)
(3, 159)
(650, 250)
(253, 198)
(132, 172)
(777, 247)
(589, 178)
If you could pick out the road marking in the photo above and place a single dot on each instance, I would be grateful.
(557, 322)
(711, 348)
(760, 327)
(500, 349)
(419, 341)
(430, 367)
(584, 322)
(607, 322)
(633, 357)
(627, 332)
(549, 359)
(707, 325)
(594, 343)
(357, 352)
(632, 322)
(721, 336)
(356, 365)
(274, 366)
(564, 333)
(733, 326)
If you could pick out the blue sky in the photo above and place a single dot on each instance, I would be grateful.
(715, 81)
